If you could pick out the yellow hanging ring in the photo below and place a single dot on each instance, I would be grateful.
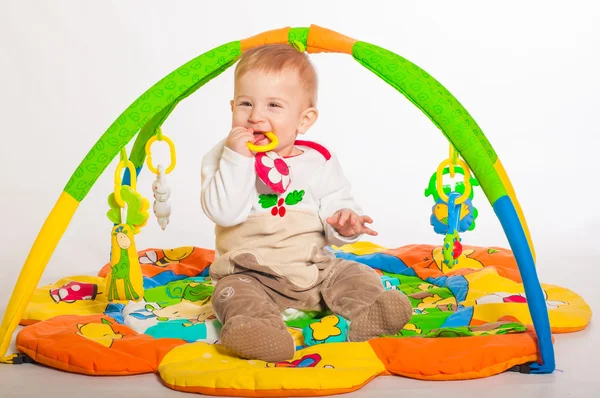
(439, 184)
(124, 163)
(265, 148)
(453, 156)
(160, 137)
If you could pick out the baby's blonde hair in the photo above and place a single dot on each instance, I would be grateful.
(277, 57)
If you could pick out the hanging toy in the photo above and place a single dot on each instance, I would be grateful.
(453, 211)
(452, 248)
(271, 168)
(160, 189)
(129, 213)
(439, 215)
(162, 193)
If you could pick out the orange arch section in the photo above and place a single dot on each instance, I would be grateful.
(326, 40)
(276, 36)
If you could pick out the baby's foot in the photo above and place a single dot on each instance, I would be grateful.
(252, 338)
(387, 315)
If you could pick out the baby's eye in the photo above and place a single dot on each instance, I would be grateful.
(274, 105)
(245, 103)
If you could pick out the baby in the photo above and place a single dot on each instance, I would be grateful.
(276, 212)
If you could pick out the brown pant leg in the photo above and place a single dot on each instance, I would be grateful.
(355, 291)
(241, 294)
(281, 291)
(253, 327)
(351, 287)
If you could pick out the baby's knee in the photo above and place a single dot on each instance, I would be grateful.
(365, 274)
(224, 290)
(224, 297)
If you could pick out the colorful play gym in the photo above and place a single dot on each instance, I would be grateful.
(477, 311)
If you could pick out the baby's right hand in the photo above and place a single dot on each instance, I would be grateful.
(238, 139)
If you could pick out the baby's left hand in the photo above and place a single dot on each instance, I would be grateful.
(347, 223)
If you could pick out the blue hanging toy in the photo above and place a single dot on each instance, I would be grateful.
(453, 211)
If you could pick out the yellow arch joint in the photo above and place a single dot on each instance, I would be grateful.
(277, 36)
(513, 197)
(43, 247)
(325, 40)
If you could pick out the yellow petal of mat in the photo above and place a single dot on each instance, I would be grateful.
(328, 366)
(494, 298)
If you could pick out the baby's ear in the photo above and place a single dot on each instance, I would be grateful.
(307, 119)
(231, 103)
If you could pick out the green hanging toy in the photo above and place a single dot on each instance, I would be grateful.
(453, 211)
(129, 213)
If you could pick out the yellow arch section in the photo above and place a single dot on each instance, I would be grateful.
(43, 247)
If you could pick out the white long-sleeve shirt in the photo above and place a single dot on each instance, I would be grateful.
(231, 191)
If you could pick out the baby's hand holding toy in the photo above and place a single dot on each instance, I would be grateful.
(347, 223)
(238, 139)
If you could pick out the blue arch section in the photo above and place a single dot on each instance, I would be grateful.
(507, 214)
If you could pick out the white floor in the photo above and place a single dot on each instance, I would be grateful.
(578, 361)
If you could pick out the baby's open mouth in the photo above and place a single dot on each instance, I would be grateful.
(259, 136)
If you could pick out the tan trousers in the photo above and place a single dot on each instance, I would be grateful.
(344, 287)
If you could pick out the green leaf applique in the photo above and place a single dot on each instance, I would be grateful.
(267, 201)
(294, 197)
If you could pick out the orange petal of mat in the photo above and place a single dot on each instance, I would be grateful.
(455, 358)
(89, 345)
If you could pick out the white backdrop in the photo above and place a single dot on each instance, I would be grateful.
(526, 71)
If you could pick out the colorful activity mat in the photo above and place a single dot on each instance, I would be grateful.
(468, 322)
(476, 311)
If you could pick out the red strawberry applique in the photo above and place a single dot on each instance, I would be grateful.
(279, 209)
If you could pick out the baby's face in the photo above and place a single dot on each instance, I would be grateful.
(271, 102)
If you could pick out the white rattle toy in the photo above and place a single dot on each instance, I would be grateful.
(161, 206)
(162, 193)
